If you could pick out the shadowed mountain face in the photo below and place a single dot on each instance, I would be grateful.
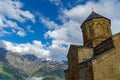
(8, 71)
(27, 66)
(23, 62)
(3, 53)
(30, 57)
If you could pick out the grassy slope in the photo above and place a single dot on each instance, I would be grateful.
(55, 74)
(7, 73)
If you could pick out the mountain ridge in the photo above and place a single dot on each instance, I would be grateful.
(29, 65)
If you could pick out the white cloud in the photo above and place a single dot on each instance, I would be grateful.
(12, 10)
(56, 50)
(3, 32)
(35, 48)
(29, 29)
(69, 33)
(48, 23)
(21, 33)
(56, 2)
(77, 13)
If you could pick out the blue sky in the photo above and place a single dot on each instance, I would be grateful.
(46, 28)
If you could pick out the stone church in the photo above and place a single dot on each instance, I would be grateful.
(99, 56)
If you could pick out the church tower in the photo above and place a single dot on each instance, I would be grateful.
(95, 29)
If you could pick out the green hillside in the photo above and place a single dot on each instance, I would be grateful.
(51, 74)
(9, 73)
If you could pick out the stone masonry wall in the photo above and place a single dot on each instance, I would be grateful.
(84, 54)
(107, 65)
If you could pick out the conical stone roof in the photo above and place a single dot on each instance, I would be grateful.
(94, 15)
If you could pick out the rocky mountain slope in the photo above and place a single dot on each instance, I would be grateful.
(25, 67)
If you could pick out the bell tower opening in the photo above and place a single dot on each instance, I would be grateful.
(95, 29)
